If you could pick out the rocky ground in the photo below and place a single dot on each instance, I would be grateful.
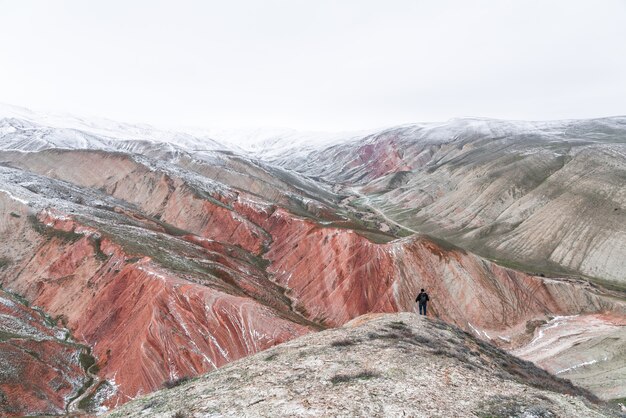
(375, 366)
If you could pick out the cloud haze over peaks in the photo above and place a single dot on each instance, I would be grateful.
(322, 65)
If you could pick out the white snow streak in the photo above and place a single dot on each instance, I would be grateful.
(13, 197)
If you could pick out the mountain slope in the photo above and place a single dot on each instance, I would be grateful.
(23, 129)
(390, 365)
(543, 196)
(170, 261)
(135, 293)
(139, 246)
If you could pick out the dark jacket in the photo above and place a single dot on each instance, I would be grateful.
(422, 298)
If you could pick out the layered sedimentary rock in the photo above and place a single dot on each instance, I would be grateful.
(147, 324)
(154, 307)
(336, 273)
(173, 262)
(392, 365)
(353, 275)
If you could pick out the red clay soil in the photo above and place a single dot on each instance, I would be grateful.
(146, 324)
(379, 159)
(336, 274)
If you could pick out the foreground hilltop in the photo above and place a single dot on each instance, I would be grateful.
(376, 365)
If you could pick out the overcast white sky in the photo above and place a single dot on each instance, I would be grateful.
(314, 64)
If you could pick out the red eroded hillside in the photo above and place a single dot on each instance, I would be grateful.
(337, 274)
(170, 267)
(147, 324)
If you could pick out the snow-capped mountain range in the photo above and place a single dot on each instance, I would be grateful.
(26, 130)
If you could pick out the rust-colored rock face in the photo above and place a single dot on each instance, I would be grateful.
(336, 275)
(146, 324)
(333, 274)
(171, 264)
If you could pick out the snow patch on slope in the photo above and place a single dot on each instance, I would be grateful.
(23, 129)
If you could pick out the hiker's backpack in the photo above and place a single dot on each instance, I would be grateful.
(423, 297)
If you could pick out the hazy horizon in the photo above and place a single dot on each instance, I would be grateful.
(314, 66)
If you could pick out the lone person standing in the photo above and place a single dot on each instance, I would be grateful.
(422, 299)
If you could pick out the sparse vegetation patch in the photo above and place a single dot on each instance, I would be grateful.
(66, 236)
(100, 255)
(506, 407)
(172, 383)
(343, 378)
(91, 402)
(346, 342)
(398, 325)
(86, 360)
(4, 262)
